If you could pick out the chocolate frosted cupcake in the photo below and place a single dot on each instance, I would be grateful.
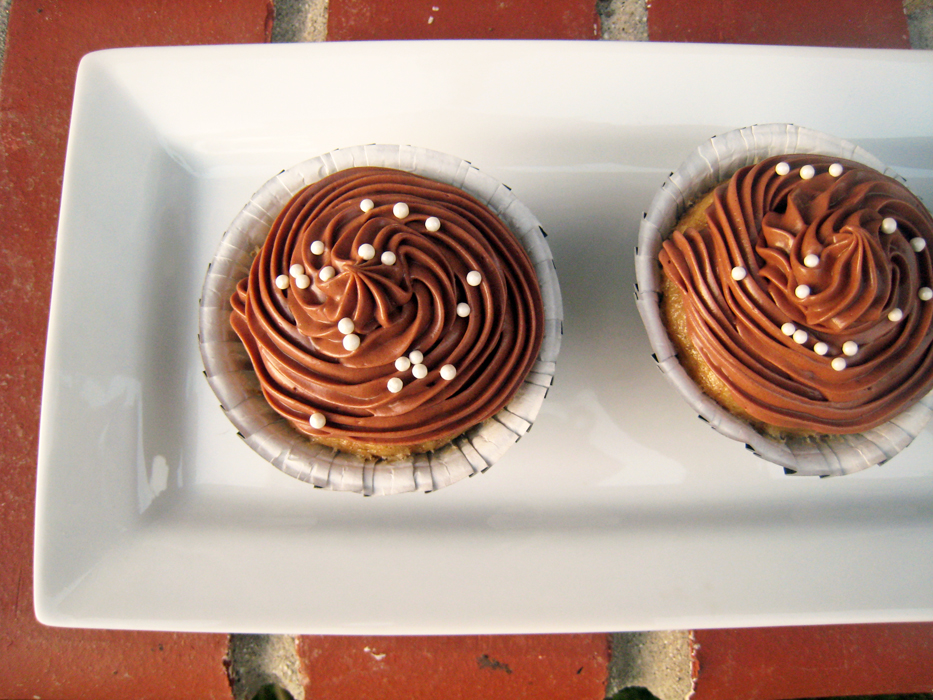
(796, 295)
(391, 320)
(388, 313)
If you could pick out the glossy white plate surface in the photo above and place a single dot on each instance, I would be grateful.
(620, 510)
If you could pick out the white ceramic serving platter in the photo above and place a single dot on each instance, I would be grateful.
(620, 510)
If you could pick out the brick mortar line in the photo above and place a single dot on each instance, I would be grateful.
(258, 660)
(300, 21)
(911, 6)
(4, 19)
(662, 662)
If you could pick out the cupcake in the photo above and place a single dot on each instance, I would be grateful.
(395, 320)
(792, 281)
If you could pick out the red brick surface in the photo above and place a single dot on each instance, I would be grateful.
(353, 20)
(806, 662)
(855, 23)
(45, 41)
(512, 667)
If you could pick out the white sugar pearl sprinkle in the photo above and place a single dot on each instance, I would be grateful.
(351, 342)
(888, 225)
(463, 310)
(326, 273)
(416, 356)
(302, 281)
(419, 371)
(800, 336)
(738, 273)
(432, 223)
(782, 168)
(895, 315)
(296, 269)
(400, 210)
(812, 260)
(802, 291)
(281, 281)
(807, 172)
(925, 294)
(838, 364)
(474, 278)
(918, 244)
(366, 205)
(850, 348)
(448, 372)
(366, 251)
(788, 329)
(821, 348)
(317, 247)
(388, 258)
(346, 325)
(395, 385)
(402, 364)
(317, 421)
(835, 169)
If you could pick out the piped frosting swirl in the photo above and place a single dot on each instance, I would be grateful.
(826, 328)
(382, 337)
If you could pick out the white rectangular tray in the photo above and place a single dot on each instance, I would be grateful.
(619, 511)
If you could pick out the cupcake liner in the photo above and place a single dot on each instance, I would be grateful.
(230, 374)
(711, 163)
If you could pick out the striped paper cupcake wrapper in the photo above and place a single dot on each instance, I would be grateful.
(230, 374)
(711, 163)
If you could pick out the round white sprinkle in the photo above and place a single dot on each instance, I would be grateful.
(835, 169)
(326, 273)
(317, 247)
(738, 273)
(463, 310)
(400, 210)
(888, 225)
(788, 329)
(838, 363)
(296, 269)
(419, 371)
(807, 172)
(402, 364)
(812, 260)
(281, 281)
(388, 258)
(318, 420)
(366, 205)
(802, 291)
(395, 385)
(474, 278)
(448, 372)
(821, 348)
(850, 348)
(432, 223)
(416, 356)
(782, 168)
(918, 244)
(925, 294)
(302, 281)
(351, 342)
(346, 325)
(366, 251)
(800, 336)
(895, 315)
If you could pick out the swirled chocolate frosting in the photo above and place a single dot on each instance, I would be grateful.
(807, 292)
(385, 308)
